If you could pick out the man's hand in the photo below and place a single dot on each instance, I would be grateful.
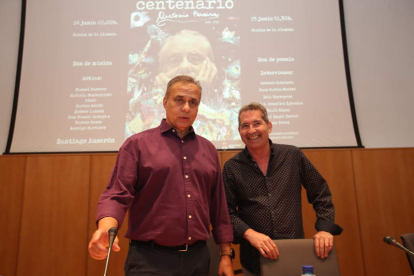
(207, 72)
(323, 244)
(204, 72)
(263, 243)
(98, 246)
(226, 266)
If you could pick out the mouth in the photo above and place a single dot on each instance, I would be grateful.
(253, 137)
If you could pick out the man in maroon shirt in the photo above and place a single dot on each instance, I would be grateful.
(170, 180)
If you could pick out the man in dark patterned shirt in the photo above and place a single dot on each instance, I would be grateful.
(263, 190)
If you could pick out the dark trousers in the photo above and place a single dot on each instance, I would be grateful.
(145, 259)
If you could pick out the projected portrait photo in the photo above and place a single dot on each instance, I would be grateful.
(186, 52)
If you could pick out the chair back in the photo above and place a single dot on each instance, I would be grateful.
(408, 242)
(295, 253)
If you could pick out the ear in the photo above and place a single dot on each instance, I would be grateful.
(164, 102)
(269, 125)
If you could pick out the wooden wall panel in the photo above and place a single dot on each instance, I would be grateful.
(384, 184)
(54, 218)
(226, 155)
(11, 200)
(48, 205)
(101, 168)
(336, 167)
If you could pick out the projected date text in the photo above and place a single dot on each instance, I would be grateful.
(82, 23)
(270, 18)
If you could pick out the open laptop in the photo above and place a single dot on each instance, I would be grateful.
(295, 253)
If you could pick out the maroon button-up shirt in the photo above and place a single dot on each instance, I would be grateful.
(172, 188)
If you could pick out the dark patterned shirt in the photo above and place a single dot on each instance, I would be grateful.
(271, 203)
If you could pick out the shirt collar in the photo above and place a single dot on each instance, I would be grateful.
(246, 151)
(166, 127)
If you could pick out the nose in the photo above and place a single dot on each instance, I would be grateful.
(186, 107)
(251, 130)
(185, 67)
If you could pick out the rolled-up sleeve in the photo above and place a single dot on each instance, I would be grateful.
(119, 193)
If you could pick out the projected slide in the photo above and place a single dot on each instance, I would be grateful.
(95, 72)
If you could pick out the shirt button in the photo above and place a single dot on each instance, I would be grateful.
(182, 141)
(173, 130)
(189, 216)
(188, 195)
(186, 176)
(189, 238)
(185, 157)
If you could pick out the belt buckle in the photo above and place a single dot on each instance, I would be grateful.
(184, 250)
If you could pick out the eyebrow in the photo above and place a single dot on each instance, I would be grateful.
(182, 96)
(255, 121)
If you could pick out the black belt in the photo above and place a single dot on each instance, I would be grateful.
(183, 248)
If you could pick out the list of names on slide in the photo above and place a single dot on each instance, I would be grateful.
(276, 82)
(91, 93)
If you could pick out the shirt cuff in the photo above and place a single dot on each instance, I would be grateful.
(239, 232)
(110, 210)
(223, 234)
(328, 226)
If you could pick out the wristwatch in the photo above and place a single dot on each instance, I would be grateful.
(230, 252)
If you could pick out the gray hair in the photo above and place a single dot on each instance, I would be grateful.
(254, 106)
(184, 79)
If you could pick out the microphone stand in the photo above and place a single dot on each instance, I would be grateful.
(391, 241)
(112, 234)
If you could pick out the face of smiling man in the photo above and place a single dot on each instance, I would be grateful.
(181, 106)
(254, 131)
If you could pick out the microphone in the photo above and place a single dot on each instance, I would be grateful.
(391, 241)
(112, 234)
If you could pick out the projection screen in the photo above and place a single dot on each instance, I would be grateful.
(93, 73)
